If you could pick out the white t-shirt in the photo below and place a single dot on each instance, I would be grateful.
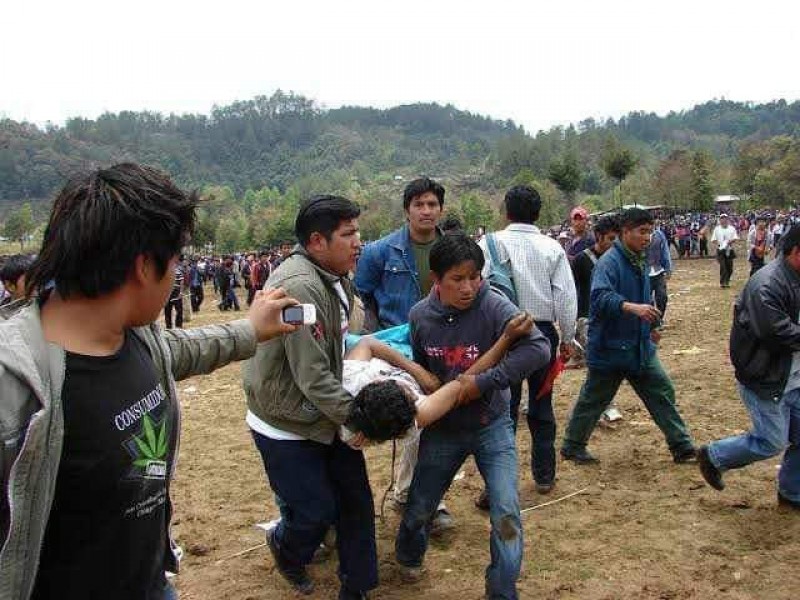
(724, 236)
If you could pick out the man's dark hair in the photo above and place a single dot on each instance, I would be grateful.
(421, 186)
(790, 240)
(451, 223)
(606, 225)
(15, 266)
(523, 204)
(101, 221)
(382, 410)
(453, 249)
(323, 214)
(635, 217)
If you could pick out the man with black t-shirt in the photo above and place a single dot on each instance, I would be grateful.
(89, 412)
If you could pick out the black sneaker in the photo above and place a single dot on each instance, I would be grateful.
(685, 455)
(784, 501)
(582, 456)
(295, 574)
(711, 474)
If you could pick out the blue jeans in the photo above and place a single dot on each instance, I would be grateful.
(323, 485)
(170, 593)
(541, 418)
(776, 425)
(441, 454)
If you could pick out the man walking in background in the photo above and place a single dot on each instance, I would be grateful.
(545, 289)
(725, 237)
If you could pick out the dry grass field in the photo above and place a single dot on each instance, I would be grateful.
(644, 528)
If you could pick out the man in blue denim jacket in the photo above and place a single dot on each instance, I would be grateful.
(622, 345)
(393, 273)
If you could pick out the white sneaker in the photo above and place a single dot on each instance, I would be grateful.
(612, 414)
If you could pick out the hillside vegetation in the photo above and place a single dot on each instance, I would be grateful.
(255, 160)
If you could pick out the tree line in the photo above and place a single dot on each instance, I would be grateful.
(255, 160)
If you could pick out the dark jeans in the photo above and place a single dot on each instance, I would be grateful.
(441, 454)
(704, 247)
(659, 286)
(725, 267)
(177, 305)
(541, 418)
(196, 294)
(651, 384)
(320, 486)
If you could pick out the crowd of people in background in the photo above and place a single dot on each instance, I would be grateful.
(469, 320)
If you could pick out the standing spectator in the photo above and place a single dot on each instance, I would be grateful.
(247, 276)
(659, 263)
(622, 338)
(196, 291)
(546, 290)
(459, 321)
(725, 237)
(393, 274)
(582, 238)
(764, 347)
(175, 300)
(296, 404)
(702, 236)
(261, 270)
(13, 275)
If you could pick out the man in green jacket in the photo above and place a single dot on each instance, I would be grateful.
(297, 403)
(89, 417)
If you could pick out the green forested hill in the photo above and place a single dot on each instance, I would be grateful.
(255, 159)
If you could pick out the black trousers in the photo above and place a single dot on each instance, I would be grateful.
(725, 267)
(541, 418)
(196, 295)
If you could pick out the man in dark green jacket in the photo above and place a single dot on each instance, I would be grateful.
(296, 404)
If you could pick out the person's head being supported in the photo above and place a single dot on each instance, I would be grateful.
(13, 274)
(327, 227)
(115, 235)
(637, 227)
(456, 261)
(522, 204)
(606, 232)
(382, 410)
(423, 201)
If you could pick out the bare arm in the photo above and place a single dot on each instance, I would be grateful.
(368, 348)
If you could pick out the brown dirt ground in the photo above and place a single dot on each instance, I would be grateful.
(645, 528)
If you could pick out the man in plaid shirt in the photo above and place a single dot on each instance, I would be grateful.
(546, 290)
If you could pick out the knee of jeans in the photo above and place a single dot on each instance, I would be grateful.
(508, 527)
(770, 447)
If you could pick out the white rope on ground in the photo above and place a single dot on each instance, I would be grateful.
(242, 553)
(557, 500)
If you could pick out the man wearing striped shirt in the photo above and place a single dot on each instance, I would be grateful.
(545, 289)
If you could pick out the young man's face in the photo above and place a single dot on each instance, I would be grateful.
(286, 250)
(605, 241)
(338, 255)
(423, 213)
(459, 286)
(637, 238)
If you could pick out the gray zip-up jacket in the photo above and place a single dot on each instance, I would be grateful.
(32, 423)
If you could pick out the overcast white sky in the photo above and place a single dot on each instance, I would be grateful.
(539, 65)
